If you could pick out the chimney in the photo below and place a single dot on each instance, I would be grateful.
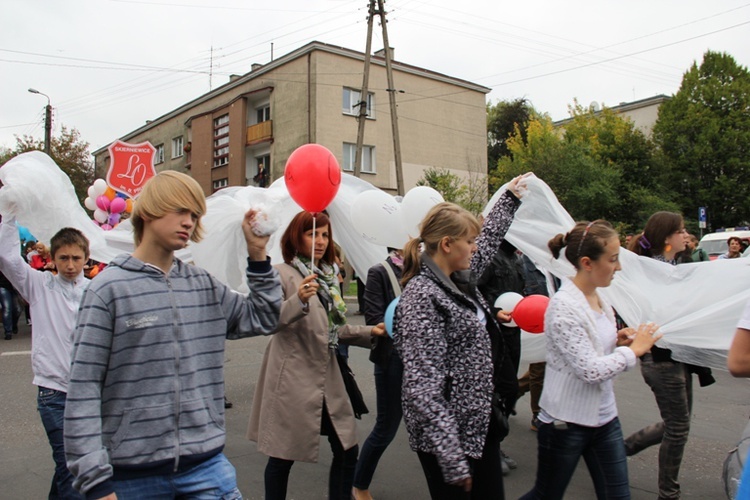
(233, 78)
(381, 53)
(255, 66)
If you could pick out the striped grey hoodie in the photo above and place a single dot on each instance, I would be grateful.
(146, 392)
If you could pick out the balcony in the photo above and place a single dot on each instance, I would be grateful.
(260, 133)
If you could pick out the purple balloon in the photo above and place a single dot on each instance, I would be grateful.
(113, 219)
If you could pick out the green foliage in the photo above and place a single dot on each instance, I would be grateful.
(704, 135)
(600, 166)
(67, 150)
(468, 194)
(505, 119)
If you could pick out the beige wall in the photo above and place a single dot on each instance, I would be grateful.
(442, 125)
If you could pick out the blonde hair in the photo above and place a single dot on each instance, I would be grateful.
(167, 192)
(444, 219)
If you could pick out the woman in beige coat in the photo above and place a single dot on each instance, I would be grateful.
(300, 393)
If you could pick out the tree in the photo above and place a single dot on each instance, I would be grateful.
(599, 166)
(67, 150)
(505, 119)
(703, 133)
(468, 193)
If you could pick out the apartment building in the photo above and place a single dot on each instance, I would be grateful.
(242, 132)
(643, 112)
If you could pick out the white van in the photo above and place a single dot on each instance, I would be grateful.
(715, 244)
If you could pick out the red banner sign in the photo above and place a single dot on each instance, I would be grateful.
(131, 165)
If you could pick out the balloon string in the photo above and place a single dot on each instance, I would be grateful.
(312, 250)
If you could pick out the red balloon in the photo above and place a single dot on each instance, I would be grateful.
(312, 176)
(529, 313)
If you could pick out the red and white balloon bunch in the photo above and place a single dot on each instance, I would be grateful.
(107, 204)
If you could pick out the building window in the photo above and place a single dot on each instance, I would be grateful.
(220, 183)
(368, 158)
(264, 113)
(159, 156)
(351, 100)
(177, 144)
(221, 140)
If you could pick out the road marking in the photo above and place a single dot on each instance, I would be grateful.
(15, 353)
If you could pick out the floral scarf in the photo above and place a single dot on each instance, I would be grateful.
(328, 293)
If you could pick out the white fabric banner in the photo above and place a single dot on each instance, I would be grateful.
(697, 305)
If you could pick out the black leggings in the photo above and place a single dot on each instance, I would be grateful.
(340, 477)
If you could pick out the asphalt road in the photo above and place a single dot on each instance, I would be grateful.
(720, 414)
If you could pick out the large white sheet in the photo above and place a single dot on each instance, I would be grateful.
(697, 305)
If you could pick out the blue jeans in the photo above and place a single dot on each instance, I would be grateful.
(388, 390)
(10, 310)
(672, 386)
(211, 480)
(560, 445)
(51, 406)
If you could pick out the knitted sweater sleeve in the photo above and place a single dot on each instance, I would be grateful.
(570, 343)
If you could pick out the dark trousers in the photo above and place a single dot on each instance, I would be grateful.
(340, 476)
(672, 386)
(560, 448)
(532, 382)
(486, 474)
(51, 406)
(388, 390)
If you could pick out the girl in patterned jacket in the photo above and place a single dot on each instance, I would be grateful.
(578, 416)
(446, 337)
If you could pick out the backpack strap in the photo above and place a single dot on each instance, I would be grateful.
(392, 276)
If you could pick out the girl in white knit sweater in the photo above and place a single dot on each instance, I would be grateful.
(584, 353)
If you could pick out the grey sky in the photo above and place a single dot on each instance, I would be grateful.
(110, 65)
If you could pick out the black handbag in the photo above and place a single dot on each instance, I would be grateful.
(355, 395)
(499, 416)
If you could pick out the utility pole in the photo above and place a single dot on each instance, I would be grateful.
(47, 121)
(391, 97)
(362, 118)
(392, 101)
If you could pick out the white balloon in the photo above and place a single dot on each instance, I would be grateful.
(89, 203)
(508, 302)
(376, 215)
(100, 215)
(417, 202)
(100, 185)
(92, 192)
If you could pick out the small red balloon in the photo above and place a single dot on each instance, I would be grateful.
(312, 176)
(529, 313)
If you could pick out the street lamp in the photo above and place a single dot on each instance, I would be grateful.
(47, 120)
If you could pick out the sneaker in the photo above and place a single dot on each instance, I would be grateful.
(227, 403)
(506, 467)
(8, 336)
(512, 464)
(28, 322)
(535, 423)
